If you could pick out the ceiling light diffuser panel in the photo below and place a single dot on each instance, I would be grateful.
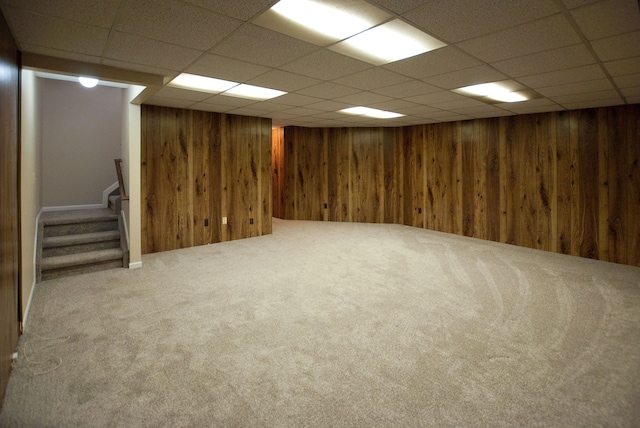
(499, 92)
(321, 22)
(223, 87)
(371, 112)
(389, 42)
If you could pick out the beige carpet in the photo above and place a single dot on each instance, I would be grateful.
(335, 324)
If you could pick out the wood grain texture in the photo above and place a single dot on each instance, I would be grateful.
(198, 167)
(9, 202)
(565, 182)
(277, 155)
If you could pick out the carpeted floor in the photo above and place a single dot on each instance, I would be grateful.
(335, 324)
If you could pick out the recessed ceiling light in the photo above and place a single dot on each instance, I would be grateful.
(371, 112)
(389, 42)
(253, 92)
(88, 82)
(321, 22)
(506, 92)
(201, 83)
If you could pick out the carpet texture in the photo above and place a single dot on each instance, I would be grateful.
(335, 324)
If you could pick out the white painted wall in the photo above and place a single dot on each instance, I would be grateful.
(30, 182)
(81, 136)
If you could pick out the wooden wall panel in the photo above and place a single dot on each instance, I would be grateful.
(338, 173)
(415, 188)
(565, 182)
(9, 202)
(198, 167)
(277, 159)
(367, 175)
(631, 176)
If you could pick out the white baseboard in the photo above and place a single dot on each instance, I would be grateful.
(135, 265)
(73, 207)
(25, 316)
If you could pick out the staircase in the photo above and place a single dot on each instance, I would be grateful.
(80, 241)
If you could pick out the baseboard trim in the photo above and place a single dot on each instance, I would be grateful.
(73, 207)
(25, 316)
(135, 265)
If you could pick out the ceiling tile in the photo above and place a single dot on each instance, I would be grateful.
(586, 97)
(398, 6)
(537, 36)
(237, 9)
(284, 81)
(466, 77)
(458, 104)
(607, 18)
(303, 111)
(393, 105)
(225, 68)
(417, 110)
(363, 98)
(271, 106)
(618, 47)
(576, 88)
(327, 105)
(163, 20)
(627, 81)
(56, 53)
(261, 46)
(633, 99)
(100, 13)
(631, 92)
(623, 66)
(445, 19)
(477, 112)
(572, 4)
(326, 65)
(592, 104)
(541, 62)
(439, 61)
(169, 74)
(327, 91)
(407, 89)
(372, 78)
(587, 72)
(138, 50)
(437, 97)
(41, 30)
(296, 100)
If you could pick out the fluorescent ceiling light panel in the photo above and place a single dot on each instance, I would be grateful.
(371, 112)
(506, 92)
(201, 83)
(253, 92)
(321, 22)
(223, 87)
(389, 42)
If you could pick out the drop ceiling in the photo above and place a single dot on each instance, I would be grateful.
(573, 53)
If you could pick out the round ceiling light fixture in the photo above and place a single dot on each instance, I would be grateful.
(88, 82)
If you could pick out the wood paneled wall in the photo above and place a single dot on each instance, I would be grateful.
(566, 182)
(9, 202)
(199, 166)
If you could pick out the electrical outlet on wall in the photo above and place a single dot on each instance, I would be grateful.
(224, 220)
